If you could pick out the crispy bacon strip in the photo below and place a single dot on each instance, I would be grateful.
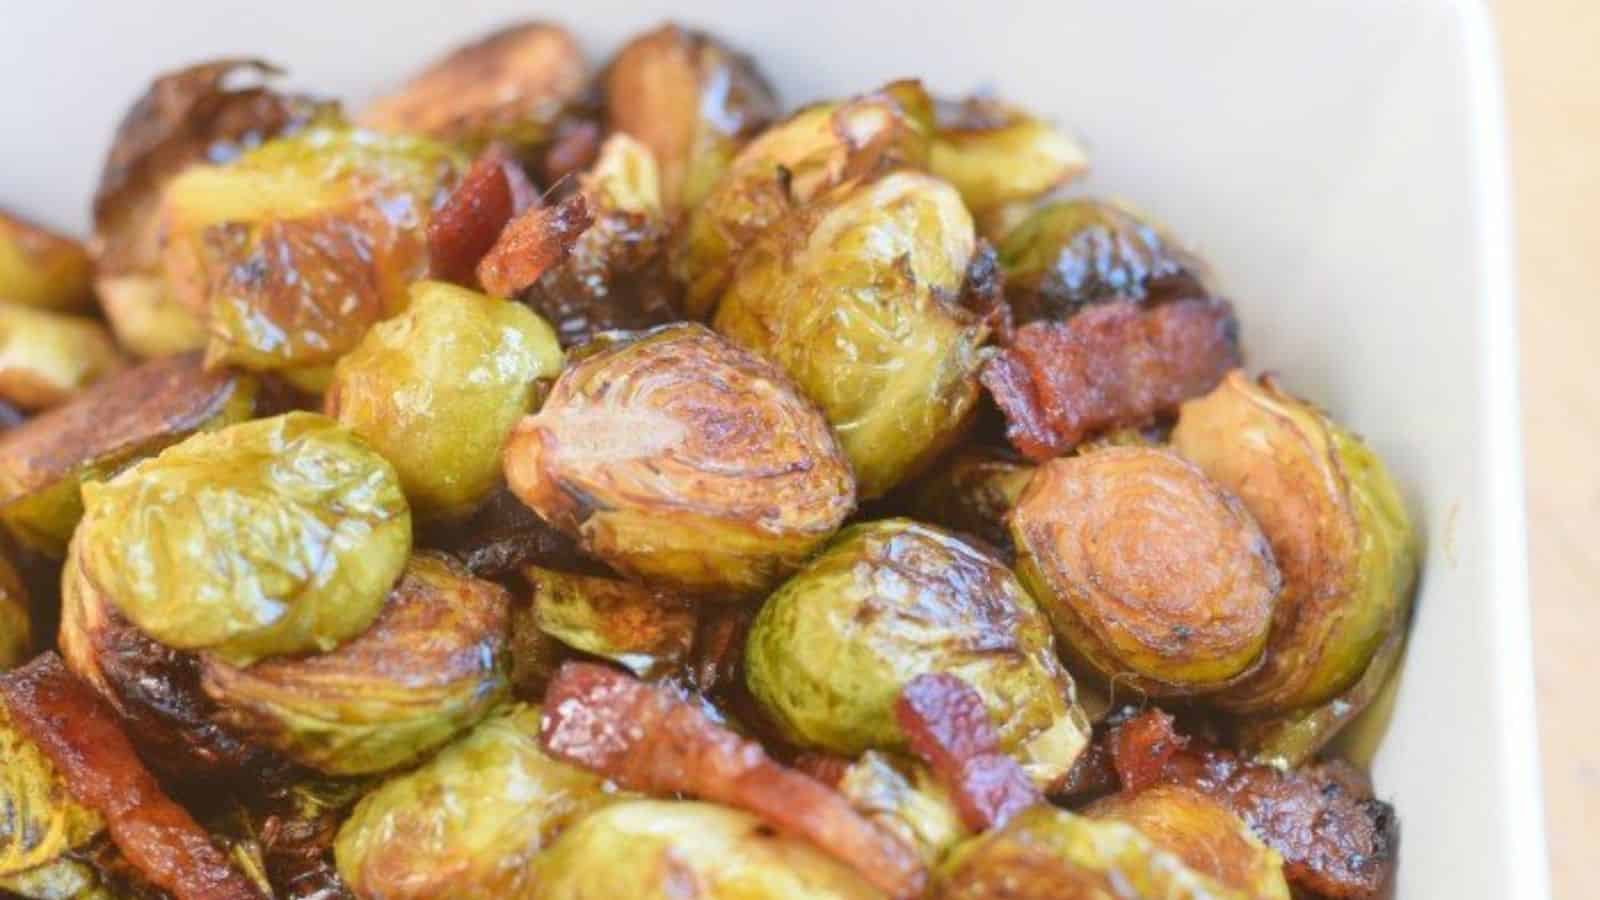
(492, 193)
(645, 739)
(1110, 366)
(532, 243)
(948, 726)
(79, 732)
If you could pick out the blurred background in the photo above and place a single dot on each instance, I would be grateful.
(1553, 91)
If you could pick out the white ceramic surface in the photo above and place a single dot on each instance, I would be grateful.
(1341, 162)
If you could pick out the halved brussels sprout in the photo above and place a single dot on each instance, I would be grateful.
(195, 115)
(40, 268)
(130, 415)
(1201, 832)
(787, 166)
(904, 798)
(432, 664)
(995, 153)
(665, 850)
(292, 251)
(678, 458)
(971, 492)
(468, 822)
(39, 820)
(1153, 576)
(887, 601)
(64, 878)
(438, 388)
(276, 536)
(16, 623)
(692, 100)
(641, 629)
(46, 357)
(1338, 529)
(512, 85)
(1047, 854)
(854, 297)
(1070, 253)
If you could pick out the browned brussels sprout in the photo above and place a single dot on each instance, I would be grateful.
(692, 100)
(903, 798)
(854, 297)
(643, 630)
(1201, 832)
(513, 85)
(46, 357)
(833, 648)
(679, 458)
(40, 268)
(1153, 576)
(292, 251)
(800, 158)
(995, 153)
(1338, 529)
(438, 388)
(16, 622)
(432, 664)
(39, 819)
(130, 415)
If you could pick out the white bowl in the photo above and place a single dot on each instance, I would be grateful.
(1341, 163)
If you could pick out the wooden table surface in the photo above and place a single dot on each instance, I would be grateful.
(1553, 91)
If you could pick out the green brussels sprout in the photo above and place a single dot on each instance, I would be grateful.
(16, 623)
(1070, 253)
(40, 268)
(693, 100)
(438, 388)
(64, 878)
(432, 664)
(1153, 577)
(995, 153)
(277, 536)
(786, 166)
(1047, 854)
(39, 820)
(1201, 832)
(467, 823)
(46, 357)
(905, 799)
(1338, 529)
(126, 417)
(292, 251)
(854, 297)
(971, 492)
(664, 850)
(680, 459)
(887, 601)
(641, 629)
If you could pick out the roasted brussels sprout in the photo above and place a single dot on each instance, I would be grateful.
(692, 100)
(64, 878)
(1047, 853)
(469, 821)
(1337, 526)
(995, 153)
(294, 249)
(887, 601)
(853, 297)
(681, 459)
(662, 850)
(191, 116)
(16, 622)
(39, 819)
(1201, 832)
(788, 165)
(1071, 253)
(276, 536)
(438, 388)
(128, 416)
(46, 357)
(971, 492)
(905, 799)
(1153, 576)
(640, 629)
(513, 85)
(432, 664)
(40, 268)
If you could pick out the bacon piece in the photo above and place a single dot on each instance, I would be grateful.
(531, 244)
(948, 727)
(643, 738)
(492, 193)
(79, 732)
(1111, 366)
(1141, 748)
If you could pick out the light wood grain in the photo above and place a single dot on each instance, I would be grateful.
(1553, 89)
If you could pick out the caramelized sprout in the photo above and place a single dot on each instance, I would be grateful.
(46, 357)
(39, 819)
(641, 629)
(996, 154)
(1201, 832)
(40, 268)
(971, 492)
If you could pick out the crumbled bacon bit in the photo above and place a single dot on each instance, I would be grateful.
(645, 739)
(492, 193)
(1141, 747)
(531, 244)
(948, 726)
